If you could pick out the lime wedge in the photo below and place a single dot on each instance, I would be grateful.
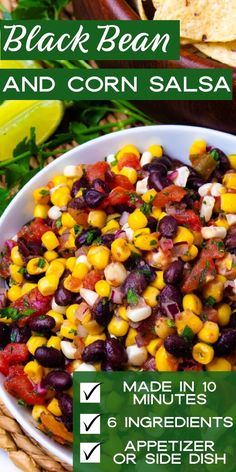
(17, 117)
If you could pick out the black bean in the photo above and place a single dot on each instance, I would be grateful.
(157, 181)
(103, 312)
(19, 335)
(230, 241)
(29, 249)
(145, 269)
(4, 335)
(68, 422)
(174, 272)
(232, 323)
(116, 355)
(105, 366)
(167, 161)
(66, 404)
(42, 323)
(152, 224)
(156, 166)
(223, 160)
(93, 198)
(77, 204)
(195, 182)
(49, 357)
(135, 281)
(58, 379)
(169, 294)
(78, 184)
(226, 343)
(129, 207)
(94, 352)
(87, 237)
(168, 226)
(32, 278)
(107, 239)
(63, 297)
(177, 346)
(99, 184)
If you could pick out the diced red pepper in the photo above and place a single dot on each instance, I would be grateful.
(129, 160)
(117, 196)
(32, 300)
(121, 181)
(96, 171)
(170, 194)
(34, 231)
(20, 387)
(201, 271)
(189, 219)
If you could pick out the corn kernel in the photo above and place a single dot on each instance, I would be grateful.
(227, 203)
(232, 160)
(50, 255)
(193, 303)
(156, 150)
(229, 180)
(80, 270)
(154, 345)
(70, 313)
(92, 327)
(188, 318)
(222, 221)
(129, 148)
(92, 338)
(16, 273)
(162, 215)
(130, 173)
(72, 284)
(37, 265)
(61, 196)
(219, 365)
(165, 362)
(191, 253)
(150, 296)
(14, 292)
(203, 353)
(34, 342)
(111, 226)
(16, 256)
(70, 263)
(50, 240)
(59, 180)
(198, 147)
(70, 243)
(147, 242)
(156, 212)
(54, 407)
(140, 232)
(214, 289)
(68, 330)
(184, 235)
(122, 312)
(209, 332)
(103, 288)
(137, 220)
(34, 371)
(37, 412)
(162, 329)
(67, 220)
(41, 211)
(48, 285)
(27, 287)
(98, 256)
(120, 250)
(131, 337)
(97, 218)
(55, 342)
(55, 268)
(118, 327)
(224, 313)
(58, 317)
(149, 196)
(41, 195)
(159, 280)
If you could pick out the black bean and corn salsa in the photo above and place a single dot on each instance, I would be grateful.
(127, 264)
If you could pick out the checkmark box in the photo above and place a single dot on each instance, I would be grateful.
(90, 392)
(90, 423)
(90, 453)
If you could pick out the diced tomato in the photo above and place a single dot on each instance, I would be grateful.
(214, 247)
(172, 193)
(189, 219)
(32, 300)
(4, 367)
(80, 216)
(92, 278)
(15, 353)
(96, 171)
(20, 387)
(117, 196)
(121, 181)
(201, 272)
(129, 160)
(34, 231)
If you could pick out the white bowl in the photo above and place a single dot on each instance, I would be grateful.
(176, 141)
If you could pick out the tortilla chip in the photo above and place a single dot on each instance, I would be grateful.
(203, 20)
(221, 52)
(185, 41)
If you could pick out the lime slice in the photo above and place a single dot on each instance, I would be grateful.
(17, 117)
(19, 65)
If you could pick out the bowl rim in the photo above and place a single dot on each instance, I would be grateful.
(62, 453)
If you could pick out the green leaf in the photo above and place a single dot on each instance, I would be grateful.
(188, 333)
(41, 263)
(146, 208)
(132, 297)
(170, 323)
(13, 314)
(210, 301)
(39, 9)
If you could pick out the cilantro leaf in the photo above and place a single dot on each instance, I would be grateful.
(188, 333)
(170, 323)
(39, 9)
(132, 297)
(210, 301)
(41, 263)
(13, 314)
(146, 208)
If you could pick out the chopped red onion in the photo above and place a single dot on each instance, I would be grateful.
(166, 244)
(172, 309)
(120, 234)
(124, 218)
(173, 175)
(117, 296)
(82, 332)
(10, 244)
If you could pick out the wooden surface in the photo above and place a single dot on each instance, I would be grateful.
(216, 114)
